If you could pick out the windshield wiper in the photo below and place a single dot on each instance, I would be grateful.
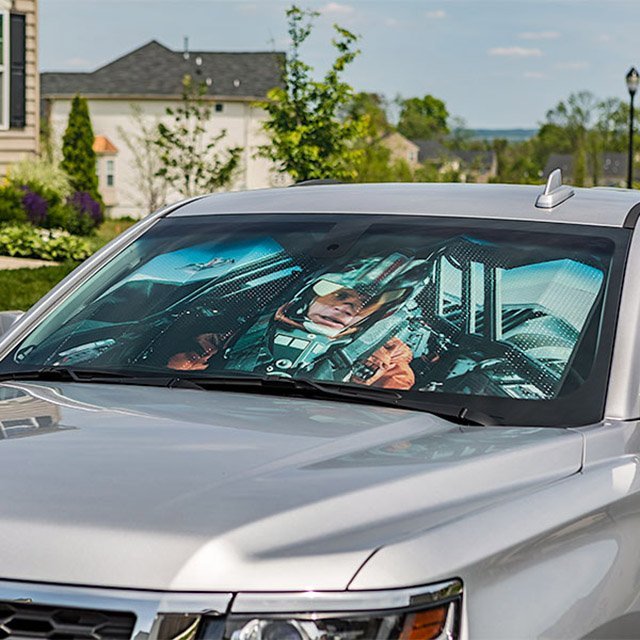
(104, 376)
(274, 385)
(305, 387)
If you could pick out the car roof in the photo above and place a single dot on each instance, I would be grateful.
(596, 206)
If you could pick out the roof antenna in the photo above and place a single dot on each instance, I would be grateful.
(555, 192)
(185, 53)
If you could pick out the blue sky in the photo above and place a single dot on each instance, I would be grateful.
(496, 63)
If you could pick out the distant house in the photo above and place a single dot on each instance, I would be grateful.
(150, 79)
(611, 170)
(19, 81)
(401, 148)
(471, 165)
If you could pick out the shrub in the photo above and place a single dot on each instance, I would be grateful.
(11, 209)
(85, 204)
(25, 241)
(41, 176)
(39, 192)
(80, 214)
(42, 186)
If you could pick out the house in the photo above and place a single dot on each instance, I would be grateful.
(148, 81)
(19, 81)
(401, 148)
(611, 170)
(471, 165)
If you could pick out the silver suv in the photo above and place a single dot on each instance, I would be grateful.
(337, 412)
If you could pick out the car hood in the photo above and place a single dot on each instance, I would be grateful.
(173, 489)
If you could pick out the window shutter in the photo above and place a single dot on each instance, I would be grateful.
(18, 57)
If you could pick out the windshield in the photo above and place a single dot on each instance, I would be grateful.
(512, 319)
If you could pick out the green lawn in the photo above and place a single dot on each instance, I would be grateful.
(21, 288)
(109, 229)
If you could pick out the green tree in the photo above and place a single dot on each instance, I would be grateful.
(612, 124)
(580, 167)
(377, 165)
(190, 160)
(428, 171)
(374, 107)
(423, 118)
(311, 133)
(78, 156)
(462, 138)
(573, 120)
(516, 162)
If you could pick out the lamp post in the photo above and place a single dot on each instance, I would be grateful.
(632, 84)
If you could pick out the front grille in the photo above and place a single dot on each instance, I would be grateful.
(24, 620)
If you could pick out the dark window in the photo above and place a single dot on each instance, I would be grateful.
(17, 109)
(110, 173)
(219, 107)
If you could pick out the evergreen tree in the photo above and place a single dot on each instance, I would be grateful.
(79, 158)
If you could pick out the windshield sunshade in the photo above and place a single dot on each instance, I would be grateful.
(504, 318)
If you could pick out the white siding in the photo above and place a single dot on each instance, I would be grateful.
(108, 116)
(15, 144)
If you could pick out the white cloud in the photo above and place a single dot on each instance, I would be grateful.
(391, 22)
(438, 14)
(515, 52)
(336, 8)
(535, 75)
(605, 38)
(572, 66)
(540, 35)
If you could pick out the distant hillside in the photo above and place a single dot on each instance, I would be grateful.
(507, 134)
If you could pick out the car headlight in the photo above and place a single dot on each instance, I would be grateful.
(439, 623)
(417, 625)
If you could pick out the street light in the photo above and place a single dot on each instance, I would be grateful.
(632, 84)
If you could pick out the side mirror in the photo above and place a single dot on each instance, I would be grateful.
(7, 318)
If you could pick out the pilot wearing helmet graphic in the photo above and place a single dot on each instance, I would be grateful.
(339, 327)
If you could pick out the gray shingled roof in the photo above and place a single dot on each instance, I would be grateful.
(435, 151)
(157, 71)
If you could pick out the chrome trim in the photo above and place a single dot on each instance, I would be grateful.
(148, 606)
(448, 633)
(151, 606)
(337, 601)
(68, 285)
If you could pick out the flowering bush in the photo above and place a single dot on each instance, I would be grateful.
(26, 241)
(80, 215)
(35, 206)
(38, 191)
(86, 205)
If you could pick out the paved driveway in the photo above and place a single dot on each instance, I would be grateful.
(23, 263)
